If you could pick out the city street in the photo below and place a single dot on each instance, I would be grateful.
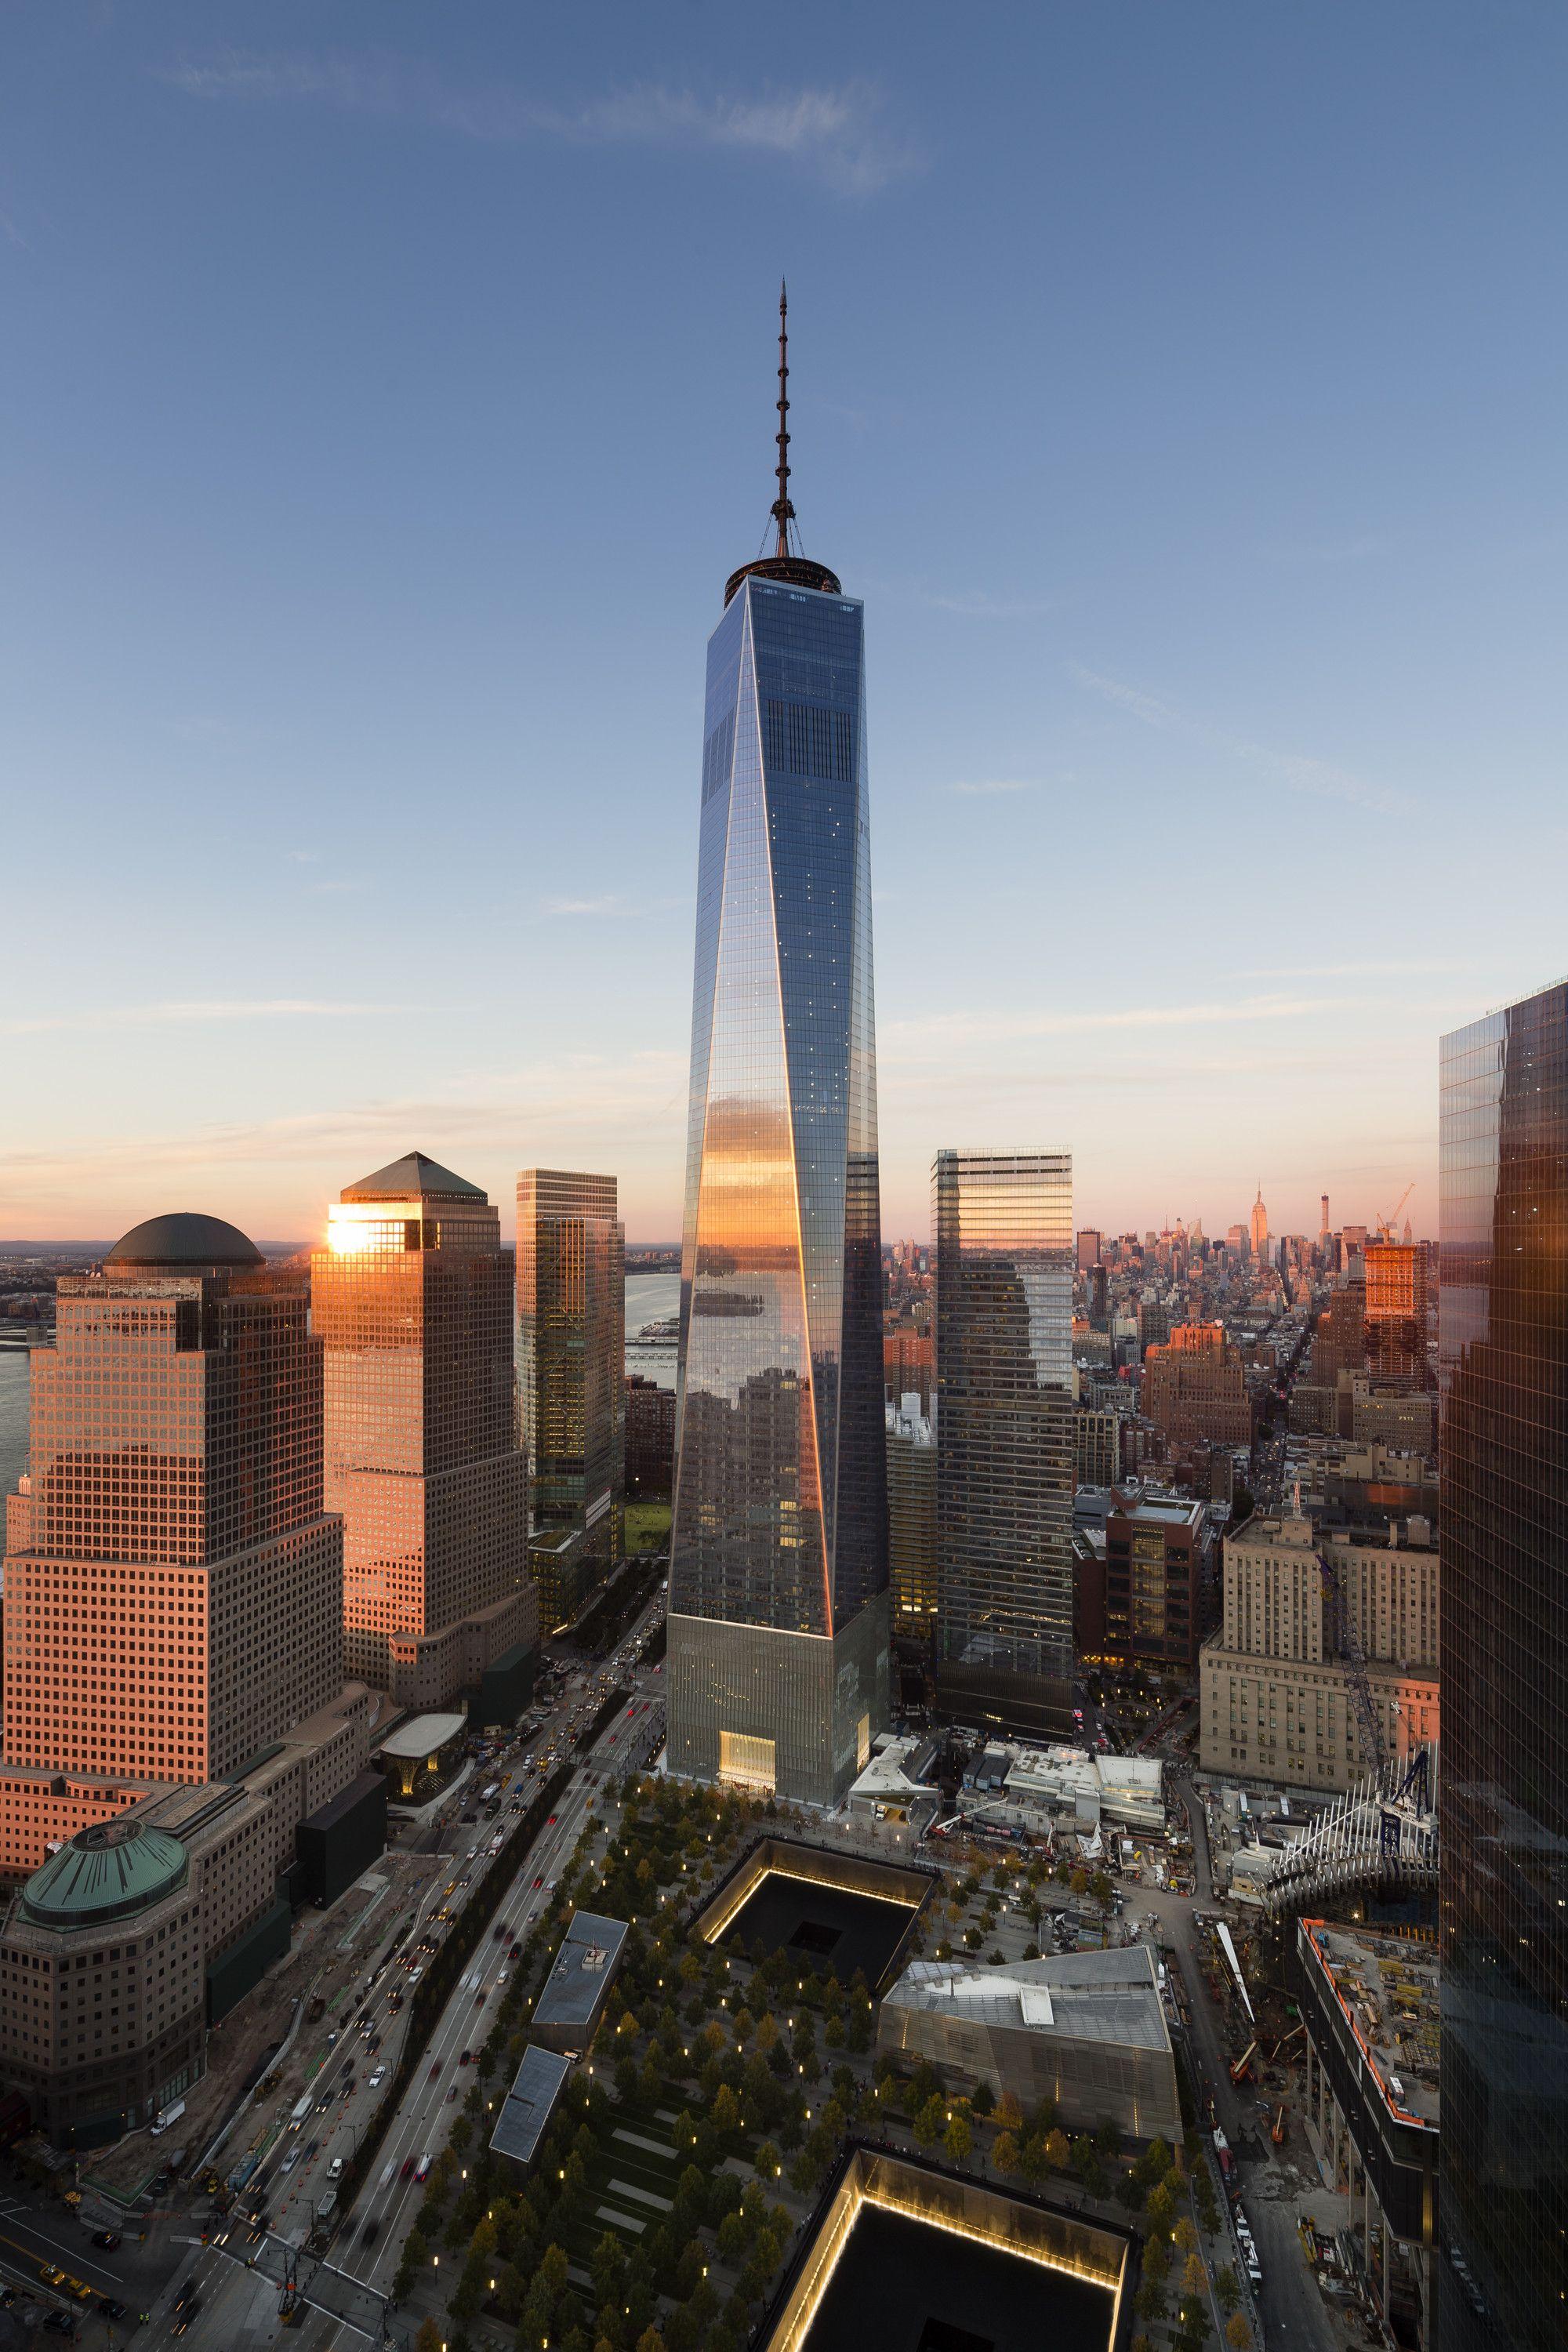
(237, 2277)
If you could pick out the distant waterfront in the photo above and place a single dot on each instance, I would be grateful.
(13, 1416)
(651, 1298)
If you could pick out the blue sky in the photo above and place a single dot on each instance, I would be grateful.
(388, 395)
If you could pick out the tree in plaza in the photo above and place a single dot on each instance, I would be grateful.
(983, 2100)
(1195, 2278)
(725, 2112)
(1228, 2287)
(1159, 2204)
(1059, 2155)
(960, 2138)
(1009, 2114)
(1185, 2236)
(767, 2160)
(428, 2338)
(1238, 2332)
(1157, 2260)
(930, 2121)
(767, 2033)
(1149, 2302)
(733, 2237)
(650, 2340)
(1004, 2152)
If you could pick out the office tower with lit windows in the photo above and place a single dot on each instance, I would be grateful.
(571, 1371)
(1503, 1788)
(1006, 1444)
(1395, 1313)
(173, 1584)
(778, 1584)
(1091, 1246)
(412, 1299)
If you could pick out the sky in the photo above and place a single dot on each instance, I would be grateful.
(388, 395)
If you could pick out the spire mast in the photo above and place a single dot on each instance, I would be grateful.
(783, 511)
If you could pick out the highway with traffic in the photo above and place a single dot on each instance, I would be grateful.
(232, 2288)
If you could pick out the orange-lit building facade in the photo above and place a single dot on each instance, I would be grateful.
(173, 1582)
(1195, 1388)
(412, 1301)
(1395, 1314)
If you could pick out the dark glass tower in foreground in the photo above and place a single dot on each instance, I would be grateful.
(1002, 1222)
(1503, 1801)
(778, 1624)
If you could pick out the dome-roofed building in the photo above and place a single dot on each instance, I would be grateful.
(182, 1241)
(108, 1871)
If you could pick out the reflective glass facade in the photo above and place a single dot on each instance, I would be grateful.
(781, 1503)
(1003, 1227)
(571, 1371)
(1503, 1547)
(412, 1299)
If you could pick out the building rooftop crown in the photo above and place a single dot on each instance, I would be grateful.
(183, 1238)
(105, 1873)
(413, 1177)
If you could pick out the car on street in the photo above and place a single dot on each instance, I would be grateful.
(108, 2239)
(59, 2322)
(110, 2308)
(407, 2171)
(190, 2312)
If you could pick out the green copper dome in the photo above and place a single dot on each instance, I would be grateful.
(108, 1871)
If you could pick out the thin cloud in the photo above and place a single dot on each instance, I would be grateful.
(948, 1029)
(1397, 968)
(1302, 774)
(580, 905)
(834, 131)
(979, 606)
(982, 791)
(154, 1016)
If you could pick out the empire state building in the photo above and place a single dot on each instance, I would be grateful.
(778, 1586)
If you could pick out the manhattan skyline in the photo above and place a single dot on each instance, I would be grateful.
(1230, 589)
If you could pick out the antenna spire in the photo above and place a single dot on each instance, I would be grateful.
(783, 511)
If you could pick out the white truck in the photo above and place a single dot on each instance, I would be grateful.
(167, 2115)
(300, 2110)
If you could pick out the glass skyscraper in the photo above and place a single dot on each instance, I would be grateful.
(1503, 1792)
(412, 1301)
(778, 1591)
(1004, 1446)
(571, 1373)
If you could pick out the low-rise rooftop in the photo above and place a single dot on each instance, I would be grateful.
(529, 2103)
(1387, 1991)
(1106, 1997)
(574, 1990)
(423, 1736)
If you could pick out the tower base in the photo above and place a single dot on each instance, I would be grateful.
(786, 1715)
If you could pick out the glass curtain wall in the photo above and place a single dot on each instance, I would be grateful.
(1503, 1800)
(1002, 1225)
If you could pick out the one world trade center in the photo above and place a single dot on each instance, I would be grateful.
(778, 1584)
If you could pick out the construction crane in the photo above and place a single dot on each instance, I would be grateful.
(1385, 1225)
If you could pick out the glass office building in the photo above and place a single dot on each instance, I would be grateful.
(1503, 1799)
(778, 1627)
(412, 1301)
(570, 1372)
(1004, 1445)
